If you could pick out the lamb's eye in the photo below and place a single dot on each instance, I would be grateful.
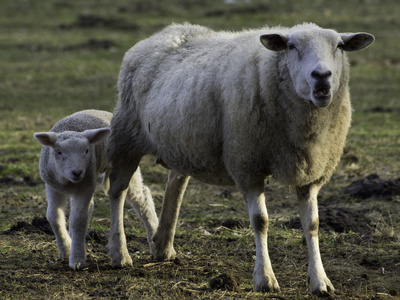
(59, 153)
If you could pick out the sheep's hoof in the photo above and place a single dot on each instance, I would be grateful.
(122, 262)
(323, 287)
(167, 254)
(268, 285)
(268, 289)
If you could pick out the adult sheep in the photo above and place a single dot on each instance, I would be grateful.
(225, 108)
(73, 153)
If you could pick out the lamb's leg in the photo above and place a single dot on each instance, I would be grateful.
(120, 177)
(307, 196)
(263, 276)
(163, 240)
(57, 204)
(142, 202)
(80, 216)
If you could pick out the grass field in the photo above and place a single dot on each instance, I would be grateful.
(59, 56)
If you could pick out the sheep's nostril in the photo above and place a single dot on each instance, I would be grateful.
(321, 75)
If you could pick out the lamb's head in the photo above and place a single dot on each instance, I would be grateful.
(72, 151)
(315, 58)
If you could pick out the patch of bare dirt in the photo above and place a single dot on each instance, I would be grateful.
(38, 225)
(372, 185)
(339, 220)
(225, 281)
(91, 44)
(95, 21)
(11, 180)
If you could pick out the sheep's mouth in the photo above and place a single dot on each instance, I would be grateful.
(321, 97)
(322, 94)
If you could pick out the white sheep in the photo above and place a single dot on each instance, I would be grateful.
(225, 108)
(73, 153)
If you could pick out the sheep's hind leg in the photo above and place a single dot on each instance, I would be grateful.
(142, 202)
(120, 178)
(57, 203)
(81, 213)
(263, 276)
(164, 238)
(307, 196)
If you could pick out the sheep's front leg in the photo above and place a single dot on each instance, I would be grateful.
(307, 196)
(164, 238)
(57, 203)
(80, 216)
(263, 276)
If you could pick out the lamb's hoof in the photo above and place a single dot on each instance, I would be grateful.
(76, 266)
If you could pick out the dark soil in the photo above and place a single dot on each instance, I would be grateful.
(11, 180)
(339, 220)
(372, 185)
(95, 21)
(38, 225)
(215, 257)
(227, 282)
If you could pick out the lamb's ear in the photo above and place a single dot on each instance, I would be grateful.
(46, 138)
(97, 135)
(356, 41)
(274, 41)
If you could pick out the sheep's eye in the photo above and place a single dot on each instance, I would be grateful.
(340, 46)
(87, 151)
(291, 47)
(59, 153)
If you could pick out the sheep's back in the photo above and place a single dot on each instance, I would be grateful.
(83, 120)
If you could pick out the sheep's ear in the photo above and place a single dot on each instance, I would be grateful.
(46, 138)
(97, 135)
(356, 41)
(274, 42)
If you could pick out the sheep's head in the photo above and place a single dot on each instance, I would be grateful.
(72, 151)
(315, 58)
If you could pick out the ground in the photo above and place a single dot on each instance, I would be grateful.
(216, 251)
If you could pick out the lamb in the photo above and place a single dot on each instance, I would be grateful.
(73, 153)
(235, 108)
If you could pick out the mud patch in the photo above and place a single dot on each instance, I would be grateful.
(235, 223)
(94, 21)
(338, 220)
(373, 186)
(380, 109)
(92, 44)
(38, 225)
(41, 225)
(11, 180)
(226, 282)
